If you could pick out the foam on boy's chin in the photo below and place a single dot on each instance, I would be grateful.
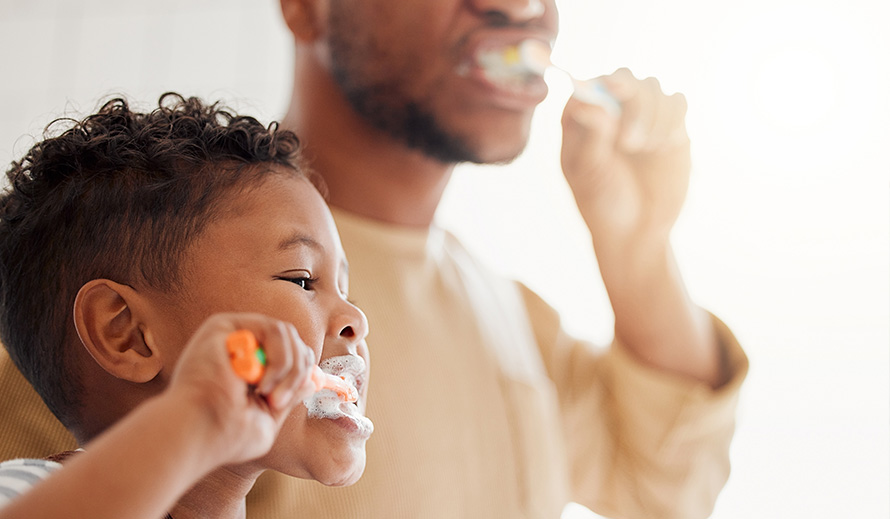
(326, 403)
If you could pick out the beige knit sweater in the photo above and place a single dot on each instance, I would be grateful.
(482, 406)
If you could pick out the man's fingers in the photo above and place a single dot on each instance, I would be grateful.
(638, 114)
(650, 120)
(588, 136)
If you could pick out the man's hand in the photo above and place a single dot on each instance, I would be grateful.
(628, 171)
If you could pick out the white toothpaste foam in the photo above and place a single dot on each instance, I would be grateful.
(326, 403)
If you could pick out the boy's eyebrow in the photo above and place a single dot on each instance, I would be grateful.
(298, 239)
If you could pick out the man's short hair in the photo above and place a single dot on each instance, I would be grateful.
(119, 195)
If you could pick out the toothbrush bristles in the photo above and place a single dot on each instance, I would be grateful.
(535, 55)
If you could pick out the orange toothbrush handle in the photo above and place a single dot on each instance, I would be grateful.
(247, 357)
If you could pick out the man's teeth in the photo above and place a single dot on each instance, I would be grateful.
(508, 82)
(510, 67)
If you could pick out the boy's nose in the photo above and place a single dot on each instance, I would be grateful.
(350, 327)
(510, 11)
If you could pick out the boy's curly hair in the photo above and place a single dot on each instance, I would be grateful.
(119, 195)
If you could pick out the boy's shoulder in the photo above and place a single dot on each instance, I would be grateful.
(19, 475)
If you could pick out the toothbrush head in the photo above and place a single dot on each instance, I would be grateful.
(527, 58)
(322, 380)
(535, 55)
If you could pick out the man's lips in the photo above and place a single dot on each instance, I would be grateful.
(492, 40)
(495, 61)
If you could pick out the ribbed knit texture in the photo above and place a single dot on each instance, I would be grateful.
(27, 428)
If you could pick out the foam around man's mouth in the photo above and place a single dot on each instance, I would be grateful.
(513, 66)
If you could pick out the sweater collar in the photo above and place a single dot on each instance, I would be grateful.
(369, 234)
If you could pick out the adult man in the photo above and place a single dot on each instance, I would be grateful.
(483, 406)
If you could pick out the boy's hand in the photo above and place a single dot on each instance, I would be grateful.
(628, 171)
(244, 422)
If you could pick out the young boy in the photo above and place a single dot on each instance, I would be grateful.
(131, 246)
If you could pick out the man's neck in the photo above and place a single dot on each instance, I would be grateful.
(366, 172)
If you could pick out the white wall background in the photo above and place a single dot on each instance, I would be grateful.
(786, 232)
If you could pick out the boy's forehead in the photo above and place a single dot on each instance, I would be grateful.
(300, 240)
(278, 213)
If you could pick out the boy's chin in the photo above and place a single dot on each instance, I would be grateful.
(344, 470)
(344, 478)
(339, 469)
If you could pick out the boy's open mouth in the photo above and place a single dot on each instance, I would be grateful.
(329, 404)
(348, 368)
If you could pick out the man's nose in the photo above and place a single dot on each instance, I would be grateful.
(511, 11)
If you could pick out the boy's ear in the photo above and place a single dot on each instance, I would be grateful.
(111, 329)
(305, 18)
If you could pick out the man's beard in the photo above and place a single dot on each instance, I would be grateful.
(356, 68)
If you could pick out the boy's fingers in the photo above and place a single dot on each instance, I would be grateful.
(299, 384)
(279, 356)
(304, 386)
(284, 392)
(288, 359)
(294, 383)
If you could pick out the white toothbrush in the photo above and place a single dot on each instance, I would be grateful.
(534, 57)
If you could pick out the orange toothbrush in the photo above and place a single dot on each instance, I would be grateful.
(249, 360)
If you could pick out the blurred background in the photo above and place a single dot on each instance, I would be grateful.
(785, 233)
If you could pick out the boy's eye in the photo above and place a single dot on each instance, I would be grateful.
(305, 283)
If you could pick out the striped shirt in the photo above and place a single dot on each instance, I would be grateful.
(19, 476)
